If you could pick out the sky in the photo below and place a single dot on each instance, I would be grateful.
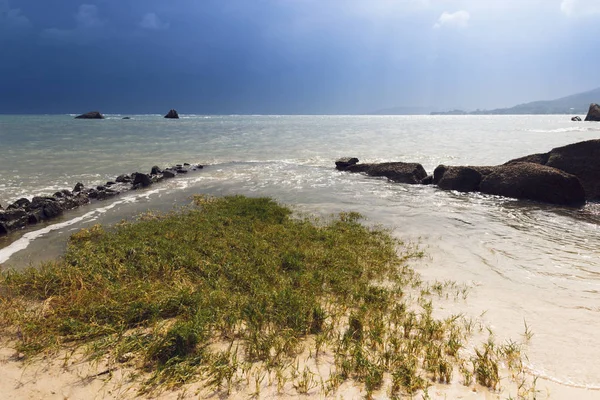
(292, 56)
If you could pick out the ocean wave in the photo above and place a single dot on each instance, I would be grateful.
(564, 130)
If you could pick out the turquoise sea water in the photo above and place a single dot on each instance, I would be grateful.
(522, 260)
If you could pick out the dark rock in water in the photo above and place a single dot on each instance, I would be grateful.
(3, 229)
(576, 119)
(140, 180)
(67, 192)
(123, 178)
(428, 180)
(167, 173)
(106, 193)
(48, 205)
(581, 159)
(58, 195)
(13, 219)
(534, 182)
(110, 183)
(155, 170)
(172, 114)
(186, 164)
(92, 193)
(400, 172)
(199, 166)
(68, 203)
(78, 187)
(100, 187)
(21, 203)
(462, 179)
(126, 118)
(593, 113)
(90, 115)
(345, 162)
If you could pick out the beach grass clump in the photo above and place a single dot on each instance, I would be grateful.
(235, 292)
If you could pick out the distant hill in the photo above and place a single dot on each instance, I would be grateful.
(574, 104)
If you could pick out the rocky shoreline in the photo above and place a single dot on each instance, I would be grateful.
(568, 175)
(25, 212)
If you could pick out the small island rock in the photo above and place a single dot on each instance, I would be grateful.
(172, 114)
(90, 115)
(593, 113)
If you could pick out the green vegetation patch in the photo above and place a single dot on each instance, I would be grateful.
(246, 273)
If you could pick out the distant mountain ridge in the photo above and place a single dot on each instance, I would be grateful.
(573, 104)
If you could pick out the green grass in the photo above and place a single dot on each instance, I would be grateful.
(247, 275)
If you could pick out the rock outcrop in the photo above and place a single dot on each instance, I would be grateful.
(536, 182)
(581, 159)
(172, 114)
(411, 173)
(593, 113)
(576, 119)
(25, 212)
(461, 179)
(90, 115)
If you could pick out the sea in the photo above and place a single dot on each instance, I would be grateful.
(527, 266)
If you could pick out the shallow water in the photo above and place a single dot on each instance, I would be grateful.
(524, 261)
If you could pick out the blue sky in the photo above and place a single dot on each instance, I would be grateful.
(292, 56)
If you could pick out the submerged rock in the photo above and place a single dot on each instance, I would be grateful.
(593, 113)
(576, 119)
(411, 173)
(140, 179)
(90, 115)
(345, 162)
(172, 114)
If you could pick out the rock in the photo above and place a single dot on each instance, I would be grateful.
(21, 203)
(12, 219)
(140, 180)
(90, 115)
(168, 174)
(126, 118)
(400, 172)
(345, 162)
(67, 192)
(3, 229)
(428, 180)
(78, 187)
(576, 119)
(123, 178)
(593, 113)
(100, 187)
(462, 179)
(58, 195)
(49, 206)
(181, 170)
(106, 193)
(92, 193)
(199, 166)
(172, 114)
(533, 182)
(155, 170)
(110, 183)
(581, 159)
(186, 164)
